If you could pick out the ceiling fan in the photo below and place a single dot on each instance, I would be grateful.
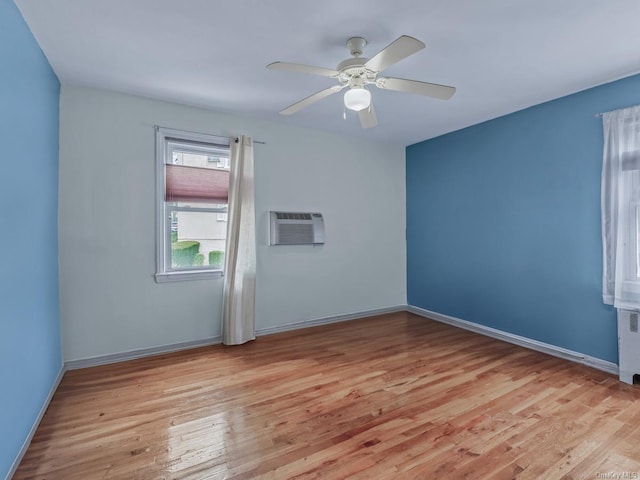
(358, 72)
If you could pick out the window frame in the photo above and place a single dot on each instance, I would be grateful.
(164, 271)
(628, 259)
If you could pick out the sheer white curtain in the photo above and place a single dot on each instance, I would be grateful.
(238, 307)
(621, 208)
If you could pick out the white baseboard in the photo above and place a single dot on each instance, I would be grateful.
(139, 353)
(577, 357)
(332, 319)
(36, 423)
(175, 347)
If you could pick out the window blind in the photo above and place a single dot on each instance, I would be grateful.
(193, 184)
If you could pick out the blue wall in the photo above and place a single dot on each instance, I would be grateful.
(30, 353)
(503, 222)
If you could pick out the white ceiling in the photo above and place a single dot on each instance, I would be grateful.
(502, 55)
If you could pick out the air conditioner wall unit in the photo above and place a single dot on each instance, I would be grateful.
(296, 228)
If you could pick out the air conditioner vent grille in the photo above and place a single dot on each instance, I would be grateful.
(293, 216)
(294, 228)
(295, 234)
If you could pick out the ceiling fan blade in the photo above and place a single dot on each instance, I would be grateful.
(400, 48)
(434, 90)
(305, 102)
(300, 68)
(368, 117)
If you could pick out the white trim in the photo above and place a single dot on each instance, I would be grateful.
(139, 353)
(175, 347)
(163, 235)
(547, 348)
(223, 209)
(36, 424)
(176, 276)
(331, 319)
(174, 133)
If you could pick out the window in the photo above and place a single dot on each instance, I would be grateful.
(621, 208)
(629, 217)
(192, 188)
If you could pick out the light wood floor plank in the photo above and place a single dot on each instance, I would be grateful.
(388, 397)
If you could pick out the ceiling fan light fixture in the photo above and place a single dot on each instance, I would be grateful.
(357, 99)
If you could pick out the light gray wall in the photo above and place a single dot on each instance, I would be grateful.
(110, 302)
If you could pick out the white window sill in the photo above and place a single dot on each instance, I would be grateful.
(190, 275)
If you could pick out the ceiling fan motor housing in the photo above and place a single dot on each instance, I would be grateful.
(352, 72)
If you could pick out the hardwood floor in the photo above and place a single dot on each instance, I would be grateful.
(388, 397)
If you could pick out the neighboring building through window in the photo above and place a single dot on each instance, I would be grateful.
(192, 190)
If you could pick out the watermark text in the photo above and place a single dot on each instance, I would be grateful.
(617, 475)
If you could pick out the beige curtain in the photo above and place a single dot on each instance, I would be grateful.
(238, 307)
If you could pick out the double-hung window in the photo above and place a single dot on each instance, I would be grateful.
(629, 227)
(621, 208)
(192, 184)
